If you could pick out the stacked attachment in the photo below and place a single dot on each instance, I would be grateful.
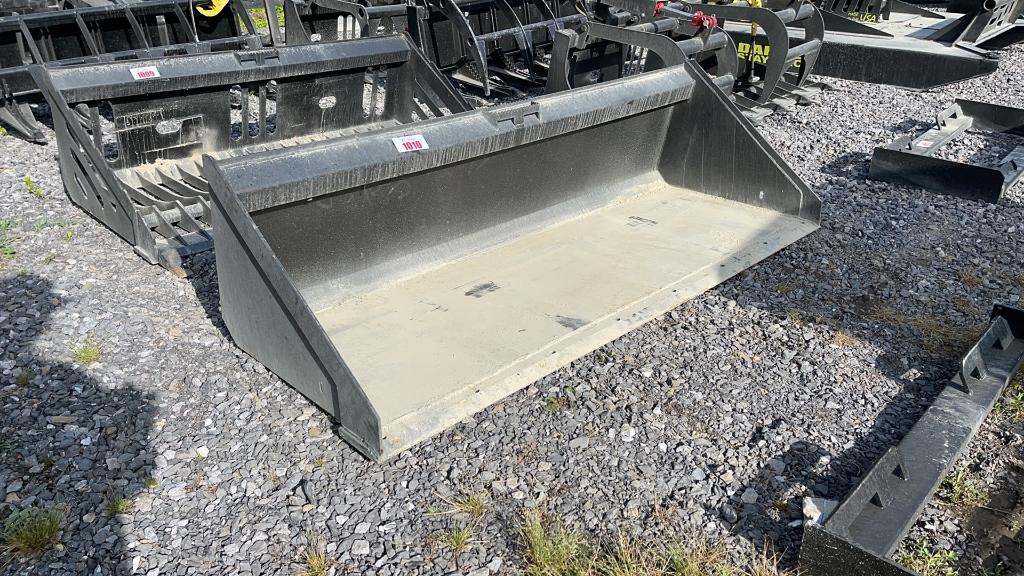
(9, 7)
(768, 82)
(868, 525)
(411, 276)
(912, 160)
(131, 134)
(151, 29)
(487, 47)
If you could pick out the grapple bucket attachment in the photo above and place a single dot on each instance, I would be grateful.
(489, 45)
(131, 134)
(776, 68)
(411, 276)
(130, 31)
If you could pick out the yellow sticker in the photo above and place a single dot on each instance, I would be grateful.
(760, 54)
(212, 8)
(862, 16)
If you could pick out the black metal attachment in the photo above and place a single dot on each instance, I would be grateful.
(866, 528)
(912, 160)
(490, 45)
(601, 52)
(766, 82)
(991, 25)
(122, 32)
(131, 134)
(900, 44)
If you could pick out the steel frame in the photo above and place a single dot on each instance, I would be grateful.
(152, 29)
(911, 160)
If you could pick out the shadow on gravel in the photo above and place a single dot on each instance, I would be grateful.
(849, 165)
(67, 439)
(202, 274)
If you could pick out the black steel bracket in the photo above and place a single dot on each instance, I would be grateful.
(912, 161)
(866, 528)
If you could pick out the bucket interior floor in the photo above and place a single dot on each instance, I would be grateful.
(434, 348)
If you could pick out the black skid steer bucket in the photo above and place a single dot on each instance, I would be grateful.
(411, 276)
(132, 134)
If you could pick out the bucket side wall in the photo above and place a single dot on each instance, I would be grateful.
(270, 321)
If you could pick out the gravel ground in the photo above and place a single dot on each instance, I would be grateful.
(715, 419)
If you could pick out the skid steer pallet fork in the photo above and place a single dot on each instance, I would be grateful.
(866, 528)
(131, 145)
(912, 160)
(124, 32)
(408, 278)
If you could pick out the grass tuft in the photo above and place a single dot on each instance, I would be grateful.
(963, 490)
(921, 558)
(888, 315)
(1012, 406)
(87, 351)
(795, 317)
(457, 538)
(151, 483)
(937, 335)
(555, 403)
(117, 504)
(7, 251)
(970, 280)
(24, 378)
(555, 551)
(33, 188)
(32, 530)
(473, 504)
(785, 287)
(552, 550)
(317, 563)
(260, 20)
(843, 339)
(700, 559)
